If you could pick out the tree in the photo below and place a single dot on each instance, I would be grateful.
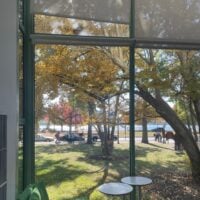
(92, 75)
(63, 113)
(168, 75)
(144, 113)
(91, 110)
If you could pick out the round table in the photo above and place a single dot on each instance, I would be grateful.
(137, 181)
(115, 189)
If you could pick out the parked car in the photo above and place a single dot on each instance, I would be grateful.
(95, 137)
(42, 138)
(72, 137)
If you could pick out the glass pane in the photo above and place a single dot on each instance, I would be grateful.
(105, 10)
(82, 106)
(69, 26)
(176, 20)
(171, 80)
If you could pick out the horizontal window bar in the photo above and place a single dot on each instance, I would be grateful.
(38, 38)
(80, 40)
(167, 44)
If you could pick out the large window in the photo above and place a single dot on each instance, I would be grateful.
(78, 58)
(82, 92)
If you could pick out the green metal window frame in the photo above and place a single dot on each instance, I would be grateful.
(28, 98)
(30, 39)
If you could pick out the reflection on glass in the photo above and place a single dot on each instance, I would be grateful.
(68, 26)
(82, 102)
(20, 11)
(154, 19)
(169, 20)
(114, 11)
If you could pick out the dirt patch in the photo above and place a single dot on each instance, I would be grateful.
(172, 186)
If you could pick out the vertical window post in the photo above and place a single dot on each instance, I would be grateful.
(28, 67)
(131, 93)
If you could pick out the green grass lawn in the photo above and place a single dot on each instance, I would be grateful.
(74, 171)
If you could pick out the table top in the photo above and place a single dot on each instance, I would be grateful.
(115, 188)
(136, 180)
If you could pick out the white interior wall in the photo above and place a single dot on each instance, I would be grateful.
(8, 86)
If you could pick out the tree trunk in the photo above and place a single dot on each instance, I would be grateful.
(48, 125)
(70, 128)
(107, 148)
(37, 126)
(114, 120)
(106, 145)
(187, 118)
(144, 123)
(106, 141)
(197, 111)
(179, 127)
(192, 115)
(144, 130)
(89, 135)
(90, 113)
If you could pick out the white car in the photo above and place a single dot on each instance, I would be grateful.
(42, 138)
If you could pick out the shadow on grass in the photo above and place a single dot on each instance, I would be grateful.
(112, 170)
(64, 148)
(59, 174)
(86, 194)
(160, 147)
